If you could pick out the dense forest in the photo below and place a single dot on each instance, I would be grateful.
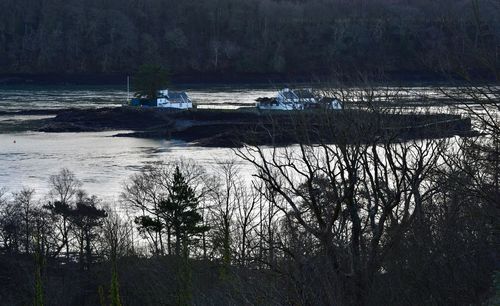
(312, 37)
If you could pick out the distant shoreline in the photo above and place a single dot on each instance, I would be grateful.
(403, 78)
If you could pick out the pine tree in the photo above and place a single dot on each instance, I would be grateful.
(180, 211)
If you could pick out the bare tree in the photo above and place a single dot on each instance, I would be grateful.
(247, 223)
(64, 187)
(117, 236)
(11, 226)
(225, 197)
(356, 197)
(24, 199)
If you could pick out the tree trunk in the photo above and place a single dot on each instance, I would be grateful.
(88, 252)
(177, 241)
(169, 240)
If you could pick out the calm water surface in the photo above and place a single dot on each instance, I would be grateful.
(102, 162)
(23, 97)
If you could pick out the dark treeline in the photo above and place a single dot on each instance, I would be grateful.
(372, 220)
(243, 36)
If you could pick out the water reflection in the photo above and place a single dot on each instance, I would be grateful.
(100, 161)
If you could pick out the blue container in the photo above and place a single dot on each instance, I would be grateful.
(143, 102)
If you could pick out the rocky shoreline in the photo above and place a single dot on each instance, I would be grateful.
(232, 128)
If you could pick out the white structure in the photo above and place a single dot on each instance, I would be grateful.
(331, 103)
(298, 96)
(298, 99)
(274, 104)
(336, 104)
(288, 99)
(173, 99)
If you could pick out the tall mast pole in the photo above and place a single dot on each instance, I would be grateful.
(128, 89)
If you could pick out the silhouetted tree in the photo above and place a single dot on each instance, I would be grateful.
(25, 201)
(148, 80)
(64, 187)
(180, 211)
(86, 218)
(146, 190)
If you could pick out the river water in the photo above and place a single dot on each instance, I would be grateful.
(31, 97)
(103, 163)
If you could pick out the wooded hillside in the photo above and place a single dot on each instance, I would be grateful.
(243, 36)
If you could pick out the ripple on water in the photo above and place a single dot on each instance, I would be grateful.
(100, 161)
